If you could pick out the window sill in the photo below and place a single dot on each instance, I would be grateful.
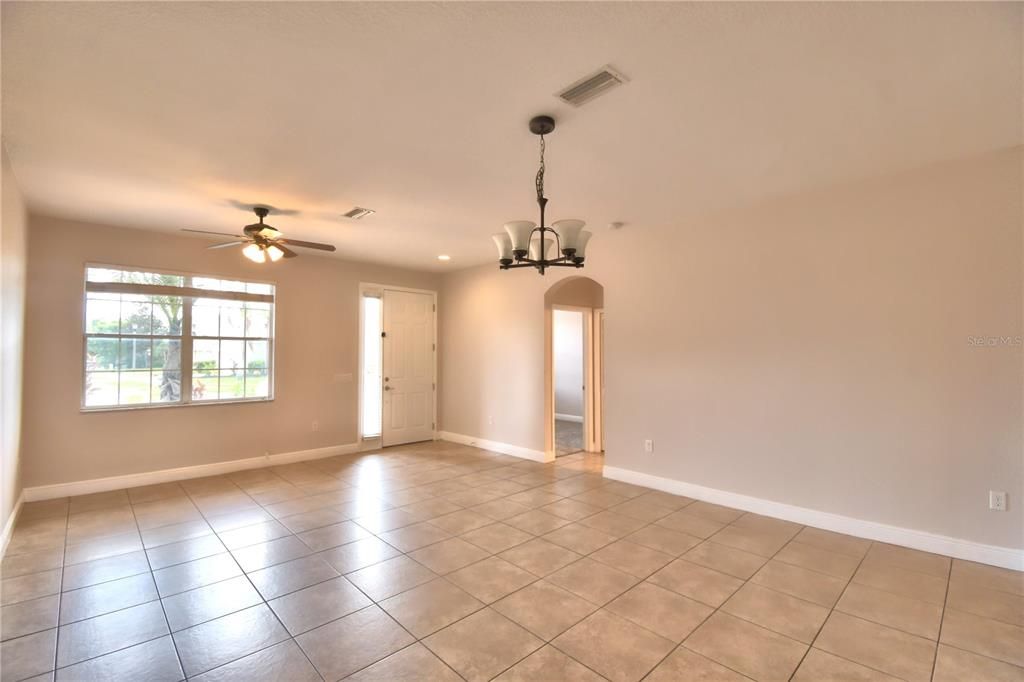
(164, 406)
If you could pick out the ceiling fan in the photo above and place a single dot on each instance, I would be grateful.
(263, 242)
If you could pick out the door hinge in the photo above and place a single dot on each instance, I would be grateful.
(433, 308)
(383, 335)
(433, 387)
(433, 346)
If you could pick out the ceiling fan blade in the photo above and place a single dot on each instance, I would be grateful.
(288, 253)
(225, 245)
(308, 245)
(223, 234)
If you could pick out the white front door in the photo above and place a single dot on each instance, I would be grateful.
(408, 368)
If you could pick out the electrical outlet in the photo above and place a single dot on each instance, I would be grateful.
(315, 427)
(997, 500)
(648, 445)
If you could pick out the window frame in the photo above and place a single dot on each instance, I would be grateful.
(189, 294)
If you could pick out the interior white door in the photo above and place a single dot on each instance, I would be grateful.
(408, 367)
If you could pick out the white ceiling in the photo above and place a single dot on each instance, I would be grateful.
(160, 115)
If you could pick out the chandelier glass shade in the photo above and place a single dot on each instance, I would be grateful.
(525, 244)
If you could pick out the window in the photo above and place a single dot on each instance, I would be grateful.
(148, 335)
(371, 366)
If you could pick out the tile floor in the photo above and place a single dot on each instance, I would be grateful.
(443, 562)
(568, 437)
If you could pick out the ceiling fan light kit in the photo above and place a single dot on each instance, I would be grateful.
(264, 243)
(525, 244)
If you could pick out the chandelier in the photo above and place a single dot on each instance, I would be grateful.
(524, 244)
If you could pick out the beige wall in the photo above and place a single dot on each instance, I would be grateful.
(12, 319)
(814, 350)
(316, 358)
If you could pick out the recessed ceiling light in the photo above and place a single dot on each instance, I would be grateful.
(444, 256)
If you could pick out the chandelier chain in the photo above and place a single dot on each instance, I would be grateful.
(540, 171)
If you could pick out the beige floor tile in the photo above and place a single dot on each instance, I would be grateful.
(876, 646)
(282, 661)
(904, 583)
(27, 617)
(548, 663)
(30, 586)
(36, 562)
(460, 522)
(95, 501)
(491, 579)
(614, 647)
(411, 664)
(837, 565)
(777, 611)
(333, 535)
(908, 559)
(979, 600)
(223, 523)
(431, 508)
(152, 661)
(910, 615)
(661, 611)
(629, 557)
(313, 606)
(497, 537)
(110, 632)
(165, 512)
(761, 543)
(540, 557)
(290, 576)
(570, 510)
(425, 609)
(957, 665)
(359, 554)
(642, 510)
(600, 498)
(536, 522)
(579, 538)
(834, 542)
(800, 582)
(96, 600)
(544, 609)
(187, 550)
(482, 645)
(984, 636)
(225, 639)
(715, 512)
(388, 578)
(992, 577)
(746, 648)
(156, 491)
(102, 547)
(315, 519)
(266, 554)
(690, 524)
(449, 555)
(27, 656)
(728, 560)
(821, 666)
(166, 535)
(593, 581)
(103, 570)
(664, 540)
(612, 523)
(696, 582)
(348, 644)
(410, 538)
(212, 601)
(684, 664)
(766, 524)
(253, 534)
(498, 510)
(41, 509)
(193, 574)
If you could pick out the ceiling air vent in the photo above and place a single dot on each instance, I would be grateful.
(357, 213)
(588, 88)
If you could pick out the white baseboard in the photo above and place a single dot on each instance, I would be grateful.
(994, 555)
(494, 446)
(99, 485)
(11, 521)
(578, 418)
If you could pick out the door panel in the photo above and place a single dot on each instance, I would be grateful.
(408, 367)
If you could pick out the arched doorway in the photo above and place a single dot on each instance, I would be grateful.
(574, 367)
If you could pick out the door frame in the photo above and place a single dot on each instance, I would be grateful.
(589, 421)
(373, 443)
(598, 380)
